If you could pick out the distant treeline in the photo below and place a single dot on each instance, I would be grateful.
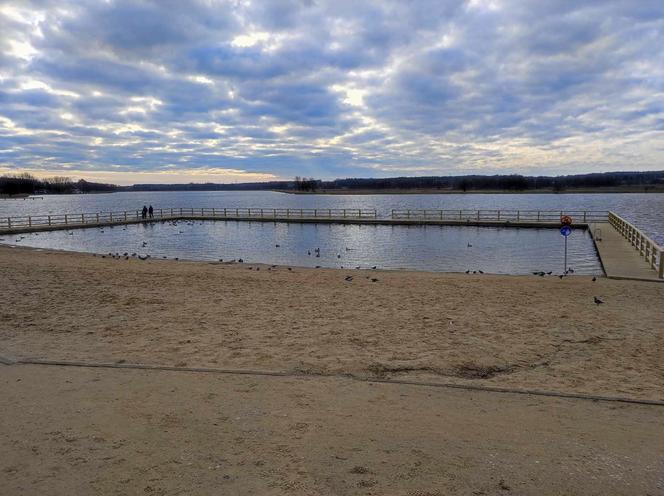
(27, 184)
(512, 182)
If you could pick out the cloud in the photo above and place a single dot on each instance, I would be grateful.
(344, 88)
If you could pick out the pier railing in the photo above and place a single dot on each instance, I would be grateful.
(173, 213)
(579, 216)
(651, 251)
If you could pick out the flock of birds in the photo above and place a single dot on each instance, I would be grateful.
(316, 253)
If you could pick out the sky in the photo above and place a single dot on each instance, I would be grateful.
(169, 91)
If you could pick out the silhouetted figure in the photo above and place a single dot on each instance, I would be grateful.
(151, 212)
(144, 213)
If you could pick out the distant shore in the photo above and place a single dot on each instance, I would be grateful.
(434, 191)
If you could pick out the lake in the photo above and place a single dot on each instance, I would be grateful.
(497, 250)
(434, 248)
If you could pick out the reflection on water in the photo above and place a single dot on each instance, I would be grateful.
(645, 210)
(434, 248)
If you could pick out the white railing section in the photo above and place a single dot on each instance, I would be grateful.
(174, 213)
(578, 216)
(651, 251)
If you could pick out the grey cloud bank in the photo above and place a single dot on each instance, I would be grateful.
(245, 90)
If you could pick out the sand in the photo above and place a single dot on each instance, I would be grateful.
(122, 432)
(81, 430)
(520, 332)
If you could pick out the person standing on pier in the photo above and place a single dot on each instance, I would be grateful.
(151, 212)
(144, 213)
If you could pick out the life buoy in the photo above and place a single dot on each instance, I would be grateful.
(565, 220)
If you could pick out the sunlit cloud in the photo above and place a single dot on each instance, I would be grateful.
(240, 91)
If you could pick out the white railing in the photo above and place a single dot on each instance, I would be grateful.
(544, 216)
(651, 251)
(79, 219)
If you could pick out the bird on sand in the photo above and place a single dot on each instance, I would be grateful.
(597, 300)
(594, 279)
(480, 271)
(349, 278)
(374, 280)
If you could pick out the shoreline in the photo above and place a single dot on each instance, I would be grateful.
(456, 324)
(427, 191)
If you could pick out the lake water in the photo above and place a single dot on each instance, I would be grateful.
(422, 248)
(434, 248)
(645, 210)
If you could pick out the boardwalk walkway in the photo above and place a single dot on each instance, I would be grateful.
(619, 258)
(624, 250)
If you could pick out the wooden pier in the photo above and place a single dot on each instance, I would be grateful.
(624, 251)
(491, 218)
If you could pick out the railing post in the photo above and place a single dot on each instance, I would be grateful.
(661, 264)
(66, 220)
(29, 221)
(125, 215)
(538, 216)
(518, 215)
(478, 215)
(584, 216)
(49, 220)
(82, 218)
(110, 216)
(498, 215)
(97, 218)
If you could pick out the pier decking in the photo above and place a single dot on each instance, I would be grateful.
(624, 251)
(491, 218)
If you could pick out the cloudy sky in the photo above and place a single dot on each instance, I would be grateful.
(168, 91)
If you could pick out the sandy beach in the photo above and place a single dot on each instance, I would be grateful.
(523, 332)
(316, 429)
